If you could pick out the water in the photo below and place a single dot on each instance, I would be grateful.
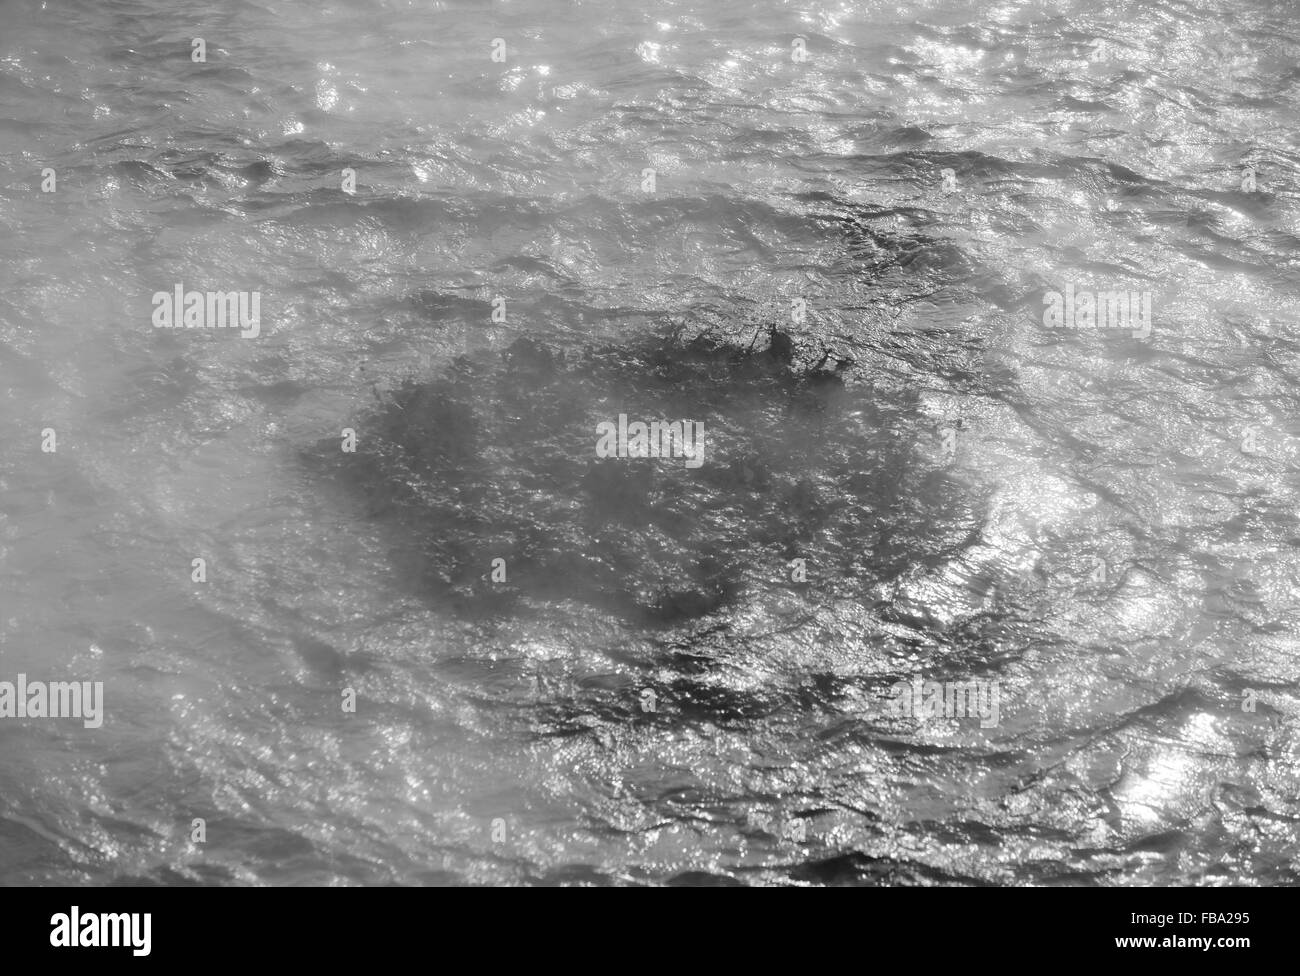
(1102, 523)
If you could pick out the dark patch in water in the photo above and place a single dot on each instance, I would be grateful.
(496, 458)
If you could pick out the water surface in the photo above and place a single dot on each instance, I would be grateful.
(1105, 525)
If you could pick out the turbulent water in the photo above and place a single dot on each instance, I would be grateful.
(824, 231)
